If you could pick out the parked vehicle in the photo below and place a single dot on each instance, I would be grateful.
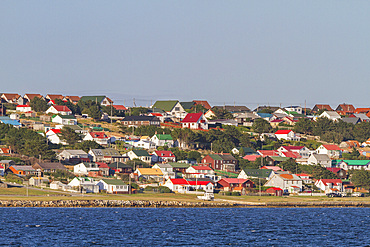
(333, 195)
(358, 194)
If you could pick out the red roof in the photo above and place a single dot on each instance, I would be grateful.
(332, 181)
(102, 165)
(204, 103)
(202, 168)
(23, 106)
(331, 147)
(334, 169)
(164, 153)
(273, 188)
(291, 148)
(99, 135)
(282, 132)
(1, 167)
(61, 108)
(235, 180)
(5, 150)
(274, 168)
(179, 181)
(156, 114)
(265, 153)
(56, 131)
(196, 182)
(192, 117)
(291, 155)
(302, 175)
(120, 107)
(251, 157)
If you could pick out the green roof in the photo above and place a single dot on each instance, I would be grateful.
(65, 116)
(114, 181)
(278, 158)
(166, 105)
(215, 156)
(187, 105)
(164, 137)
(99, 99)
(141, 153)
(179, 165)
(247, 150)
(353, 162)
(259, 173)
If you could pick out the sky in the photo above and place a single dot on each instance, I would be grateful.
(227, 52)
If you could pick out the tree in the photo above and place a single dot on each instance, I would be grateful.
(361, 178)
(87, 145)
(304, 125)
(260, 126)
(137, 111)
(69, 135)
(194, 155)
(38, 104)
(290, 165)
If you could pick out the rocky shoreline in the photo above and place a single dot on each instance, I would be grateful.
(173, 204)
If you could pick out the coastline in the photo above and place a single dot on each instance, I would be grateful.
(174, 204)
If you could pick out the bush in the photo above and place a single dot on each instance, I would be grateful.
(234, 193)
(164, 189)
(13, 178)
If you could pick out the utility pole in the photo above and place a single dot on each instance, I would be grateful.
(111, 112)
(259, 177)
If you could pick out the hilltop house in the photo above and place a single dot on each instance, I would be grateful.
(333, 151)
(332, 115)
(142, 155)
(99, 137)
(318, 108)
(163, 156)
(102, 100)
(29, 96)
(161, 140)
(172, 107)
(137, 121)
(287, 135)
(195, 121)
(319, 159)
(59, 109)
(64, 119)
(12, 98)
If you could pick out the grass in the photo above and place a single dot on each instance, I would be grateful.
(16, 191)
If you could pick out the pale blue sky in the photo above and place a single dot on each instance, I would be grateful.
(250, 52)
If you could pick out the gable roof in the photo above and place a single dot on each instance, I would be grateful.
(164, 137)
(52, 165)
(259, 173)
(345, 107)
(179, 165)
(141, 153)
(204, 103)
(331, 147)
(291, 148)
(187, 105)
(321, 157)
(202, 168)
(98, 135)
(150, 171)
(192, 117)
(102, 165)
(251, 157)
(164, 153)
(215, 156)
(61, 108)
(332, 181)
(356, 162)
(120, 107)
(351, 120)
(283, 132)
(235, 180)
(166, 105)
(98, 99)
(114, 181)
(54, 96)
(322, 107)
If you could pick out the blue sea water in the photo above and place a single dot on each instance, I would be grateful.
(184, 226)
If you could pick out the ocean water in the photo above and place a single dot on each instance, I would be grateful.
(184, 226)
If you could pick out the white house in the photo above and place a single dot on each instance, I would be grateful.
(200, 172)
(113, 186)
(333, 151)
(163, 156)
(195, 121)
(53, 136)
(172, 107)
(150, 173)
(23, 108)
(166, 169)
(84, 185)
(181, 185)
(332, 115)
(161, 140)
(72, 154)
(354, 165)
(57, 185)
(287, 135)
(319, 159)
(59, 109)
(287, 182)
(64, 119)
(85, 167)
(142, 155)
(144, 144)
(330, 185)
(297, 109)
(301, 150)
(99, 137)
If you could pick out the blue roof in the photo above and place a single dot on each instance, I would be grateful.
(4, 118)
(11, 122)
(264, 115)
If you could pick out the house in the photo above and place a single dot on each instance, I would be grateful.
(107, 155)
(120, 108)
(103, 168)
(73, 99)
(119, 167)
(142, 155)
(113, 186)
(150, 174)
(73, 156)
(57, 185)
(12, 98)
(305, 177)
(49, 167)
(319, 159)
(342, 174)
(251, 157)
(99, 137)
(287, 135)
(163, 156)
(2, 170)
(234, 108)
(166, 169)
(203, 103)
(64, 119)
(301, 150)
(231, 184)
(200, 171)
(329, 185)
(53, 97)
(4, 151)
(275, 123)
(22, 170)
(181, 185)
(86, 168)
(53, 136)
(7, 163)
(102, 100)
(161, 140)
(332, 115)
(361, 116)
(224, 162)
(38, 181)
(354, 165)
(23, 108)
(137, 121)
(318, 108)
(195, 121)
(84, 185)
(351, 120)
(297, 109)
(144, 144)
(332, 150)
(8, 120)
(274, 168)
(210, 114)
(172, 107)
(287, 182)
(179, 167)
(275, 191)
(265, 153)
(350, 144)
(59, 109)
(255, 173)
(276, 160)
(345, 109)
(29, 96)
